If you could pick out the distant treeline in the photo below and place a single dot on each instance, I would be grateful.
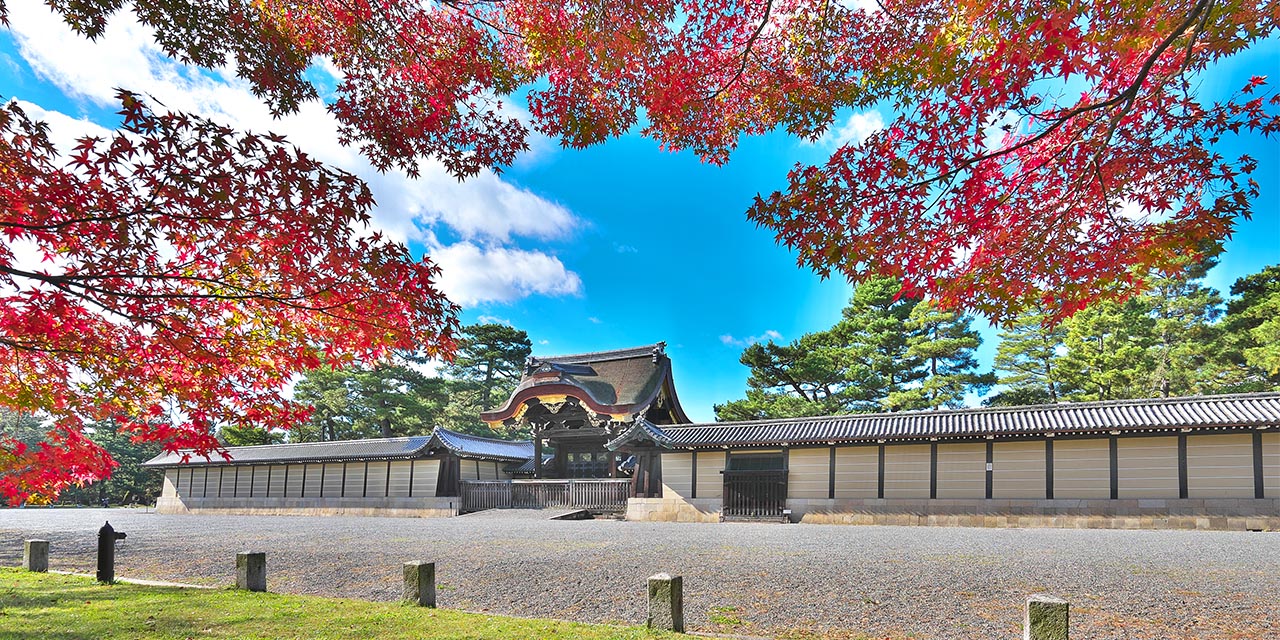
(890, 353)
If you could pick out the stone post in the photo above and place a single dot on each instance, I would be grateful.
(420, 584)
(1046, 618)
(251, 571)
(666, 603)
(35, 555)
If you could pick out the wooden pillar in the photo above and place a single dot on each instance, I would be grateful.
(693, 480)
(1182, 466)
(880, 474)
(1259, 485)
(1048, 468)
(831, 474)
(990, 469)
(537, 456)
(933, 471)
(1115, 468)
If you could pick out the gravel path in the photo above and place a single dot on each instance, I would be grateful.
(751, 579)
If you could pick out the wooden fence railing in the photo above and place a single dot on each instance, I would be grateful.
(595, 495)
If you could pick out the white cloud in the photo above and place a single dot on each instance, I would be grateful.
(493, 320)
(595, 320)
(64, 131)
(855, 130)
(484, 209)
(471, 274)
(769, 335)
(997, 127)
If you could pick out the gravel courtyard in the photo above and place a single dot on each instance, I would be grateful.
(745, 579)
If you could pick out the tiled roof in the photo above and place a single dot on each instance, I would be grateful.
(527, 465)
(646, 351)
(477, 447)
(640, 430)
(613, 382)
(372, 449)
(1079, 417)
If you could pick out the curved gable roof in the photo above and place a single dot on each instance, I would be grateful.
(618, 382)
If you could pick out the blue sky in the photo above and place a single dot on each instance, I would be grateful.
(614, 246)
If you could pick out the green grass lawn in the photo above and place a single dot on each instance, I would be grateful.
(58, 607)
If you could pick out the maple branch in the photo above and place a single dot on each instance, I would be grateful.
(746, 53)
(67, 285)
(1126, 97)
(29, 345)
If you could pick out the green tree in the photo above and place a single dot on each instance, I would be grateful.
(492, 356)
(876, 344)
(945, 342)
(1184, 334)
(1251, 332)
(1107, 354)
(21, 426)
(853, 367)
(130, 482)
(803, 378)
(241, 436)
(462, 413)
(1026, 361)
(386, 400)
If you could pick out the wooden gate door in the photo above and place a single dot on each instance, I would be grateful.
(755, 494)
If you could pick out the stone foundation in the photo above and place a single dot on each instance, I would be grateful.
(445, 507)
(1217, 514)
(674, 509)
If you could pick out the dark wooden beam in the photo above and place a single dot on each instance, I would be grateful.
(1048, 468)
(693, 481)
(1182, 466)
(831, 475)
(1115, 468)
(933, 471)
(537, 455)
(1259, 484)
(991, 460)
(880, 475)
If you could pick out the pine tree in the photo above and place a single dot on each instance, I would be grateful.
(803, 378)
(945, 342)
(492, 356)
(384, 401)
(1027, 361)
(1251, 332)
(1107, 352)
(1184, 334)
(874, 330)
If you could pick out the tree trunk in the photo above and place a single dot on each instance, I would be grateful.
(385, 422)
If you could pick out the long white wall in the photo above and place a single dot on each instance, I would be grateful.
(376, 479)
(1163, 466)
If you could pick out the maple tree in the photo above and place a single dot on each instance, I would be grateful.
(1041, 152)
(173, 278)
